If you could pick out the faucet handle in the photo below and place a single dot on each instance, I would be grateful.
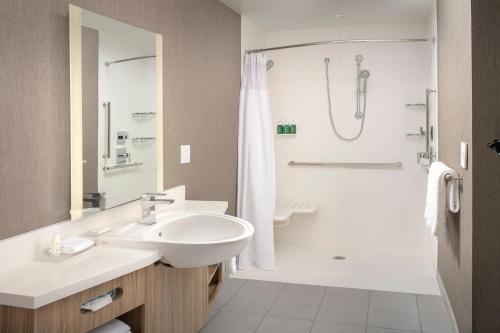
(158, 194)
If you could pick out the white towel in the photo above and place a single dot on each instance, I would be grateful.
(114, 326)
(98, 302)
(435, 206)
(74, 245)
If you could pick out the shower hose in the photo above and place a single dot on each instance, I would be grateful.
(332, 121)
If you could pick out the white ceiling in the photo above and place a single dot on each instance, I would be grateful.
(272, 15)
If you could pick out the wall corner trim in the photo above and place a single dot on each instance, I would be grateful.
(447, 304)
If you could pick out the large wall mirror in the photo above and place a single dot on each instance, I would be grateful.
(116, 112)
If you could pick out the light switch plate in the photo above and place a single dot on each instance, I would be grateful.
(185, 154)
(464, 154)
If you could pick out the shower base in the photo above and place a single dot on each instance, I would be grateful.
(375, 269)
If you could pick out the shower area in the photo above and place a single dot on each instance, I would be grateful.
(351, 179)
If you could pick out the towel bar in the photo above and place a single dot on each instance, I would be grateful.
(453, 206)
(452, 178)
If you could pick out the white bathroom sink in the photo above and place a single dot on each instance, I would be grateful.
(190, 239)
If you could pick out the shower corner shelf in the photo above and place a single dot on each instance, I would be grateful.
(141, 115)
(285, 210)
(416, 106)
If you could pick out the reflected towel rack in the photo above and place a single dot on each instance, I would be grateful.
(122, 166)
(346, 165)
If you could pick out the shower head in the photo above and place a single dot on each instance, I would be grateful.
(364, 74)
(327, 60)
(269, 64)
(359, 58)
(363, 79)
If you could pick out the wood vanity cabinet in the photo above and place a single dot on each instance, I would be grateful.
(184, 297)
(133, 304)
(155, 299)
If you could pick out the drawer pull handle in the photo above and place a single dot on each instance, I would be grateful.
(101, 301)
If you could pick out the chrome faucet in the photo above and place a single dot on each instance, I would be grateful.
(149, 201)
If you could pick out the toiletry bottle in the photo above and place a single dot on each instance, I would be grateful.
(280, 128)
(293, 128)
(55, 247)
(286, 129)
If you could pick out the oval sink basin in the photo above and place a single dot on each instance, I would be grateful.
(194, 239)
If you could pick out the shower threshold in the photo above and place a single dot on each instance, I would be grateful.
(376, 269)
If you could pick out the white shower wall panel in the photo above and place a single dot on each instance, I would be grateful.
(359, 208)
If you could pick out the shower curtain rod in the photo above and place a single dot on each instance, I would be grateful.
(107, 63)
(342, 41)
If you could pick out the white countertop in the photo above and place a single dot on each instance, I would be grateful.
(32, 280)
(42, 281)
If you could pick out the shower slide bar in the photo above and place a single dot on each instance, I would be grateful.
(347, 165)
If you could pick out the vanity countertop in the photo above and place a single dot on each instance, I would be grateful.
(37, 281)
(44, 280)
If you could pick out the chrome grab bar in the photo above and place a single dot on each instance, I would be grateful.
(107, 130)
(122, 166)
(351, 164)
(427, 154)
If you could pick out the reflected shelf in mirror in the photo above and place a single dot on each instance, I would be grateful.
(143, 139)
(142, 115)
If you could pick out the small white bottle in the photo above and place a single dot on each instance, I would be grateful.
(55, 246)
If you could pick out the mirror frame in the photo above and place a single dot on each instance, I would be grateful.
(76, 105)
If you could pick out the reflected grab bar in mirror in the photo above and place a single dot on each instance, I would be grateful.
(107, 130)
(122, 166)
(346, 165)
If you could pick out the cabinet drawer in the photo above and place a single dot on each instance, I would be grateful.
(65, 315)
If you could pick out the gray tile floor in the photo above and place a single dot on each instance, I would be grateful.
(248, 306)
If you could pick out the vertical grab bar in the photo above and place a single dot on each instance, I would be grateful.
(427, 154)
(427, 123)
(107, 130)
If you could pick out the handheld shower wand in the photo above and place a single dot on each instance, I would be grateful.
(362, 80)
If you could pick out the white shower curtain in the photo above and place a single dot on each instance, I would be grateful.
(256, 164)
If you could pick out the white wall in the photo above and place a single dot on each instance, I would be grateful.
(252, 36)
(130, 87)
(433, 33)
(359, 208)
